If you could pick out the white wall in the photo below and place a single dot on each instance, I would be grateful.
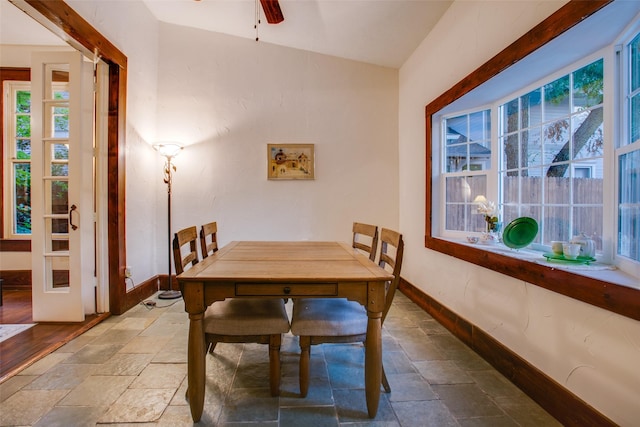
(590, 351)
(227, 97)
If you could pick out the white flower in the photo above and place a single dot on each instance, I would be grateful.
(487, 208)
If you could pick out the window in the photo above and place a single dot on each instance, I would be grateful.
(628, 155)
(466, 160)
(571, 30)
(551, 139)
(17, 151)
(551, 160)
(18, 159)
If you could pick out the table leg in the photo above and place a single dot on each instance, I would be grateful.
(373, 362)
(196, 366)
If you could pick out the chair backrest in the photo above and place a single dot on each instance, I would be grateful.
(210, 231)
(391, 253)
(365, 238)
(183, 237)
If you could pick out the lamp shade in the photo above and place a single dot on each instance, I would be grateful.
(168, 149)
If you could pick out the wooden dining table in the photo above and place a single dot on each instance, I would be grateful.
(260, 269)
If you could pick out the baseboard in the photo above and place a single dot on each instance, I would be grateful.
(566, 407)
(16, 280)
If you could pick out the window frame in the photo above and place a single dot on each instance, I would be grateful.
(599, 292)
(9, 90)
(624, 145)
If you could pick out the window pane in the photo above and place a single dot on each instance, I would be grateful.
(531, 108)
(556, 99)
(456, 129)
(510, 116)
(634, 59)
(510, 152)
(556, 147)
(456, 157)
(23, 126)
(531, 148)
(634, 122)
(59, 197)
(588, 188)
(60, 151)
(531, 189)
(556, 224)
(587, 137)
(461, 212)
(23, 149)
(458, 190)
(557, 190)
(23, 101)
(22, 201)
(588, 220)
(480, 126)
(629, 208)
(468, 143)
(61, 122)
(511, 189)
(588, 85)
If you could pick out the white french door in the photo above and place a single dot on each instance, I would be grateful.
(62, 183)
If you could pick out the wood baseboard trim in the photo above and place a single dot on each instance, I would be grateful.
(138, 294)
(566, 407)
(16, 280)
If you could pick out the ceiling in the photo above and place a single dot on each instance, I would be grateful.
(381, 32)
(16, 27)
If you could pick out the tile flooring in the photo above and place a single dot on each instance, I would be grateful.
(132, 369)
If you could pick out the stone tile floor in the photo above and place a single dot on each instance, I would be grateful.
(132, 369)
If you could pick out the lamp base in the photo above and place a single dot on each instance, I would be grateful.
(170, 294)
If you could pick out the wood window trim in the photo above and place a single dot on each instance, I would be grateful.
(609, 296)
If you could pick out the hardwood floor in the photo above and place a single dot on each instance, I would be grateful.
(27, 347)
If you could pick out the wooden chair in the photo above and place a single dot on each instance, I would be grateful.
(210, 231)
(365, 238)
(237, 320)
(329, 320)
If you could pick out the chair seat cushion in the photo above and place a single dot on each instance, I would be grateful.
(328, 317)
(239, 316)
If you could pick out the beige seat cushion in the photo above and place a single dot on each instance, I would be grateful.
(328, 317)
(239, 316)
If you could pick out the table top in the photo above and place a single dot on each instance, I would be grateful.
(301, 261)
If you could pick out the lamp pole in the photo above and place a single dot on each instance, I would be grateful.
(169, 151)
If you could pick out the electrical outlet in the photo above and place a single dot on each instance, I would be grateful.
(127, 272)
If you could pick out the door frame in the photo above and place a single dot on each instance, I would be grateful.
(63, 21)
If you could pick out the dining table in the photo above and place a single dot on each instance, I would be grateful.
(287, 269)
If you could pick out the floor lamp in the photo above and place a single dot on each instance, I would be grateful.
(169, 150)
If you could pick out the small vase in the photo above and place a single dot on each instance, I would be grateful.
(489, 238)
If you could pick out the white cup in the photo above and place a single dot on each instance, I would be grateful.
(556, 247)
(571, 250)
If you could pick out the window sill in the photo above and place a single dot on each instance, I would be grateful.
(607, 288)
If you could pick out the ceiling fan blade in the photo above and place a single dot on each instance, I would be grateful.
(272, 11)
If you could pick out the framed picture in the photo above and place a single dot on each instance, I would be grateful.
(290, 161)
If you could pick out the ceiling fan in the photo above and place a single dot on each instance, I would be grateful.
(272, 11)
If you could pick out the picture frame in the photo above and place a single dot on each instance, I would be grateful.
(290, 162)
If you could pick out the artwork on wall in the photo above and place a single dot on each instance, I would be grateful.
(290, 161)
